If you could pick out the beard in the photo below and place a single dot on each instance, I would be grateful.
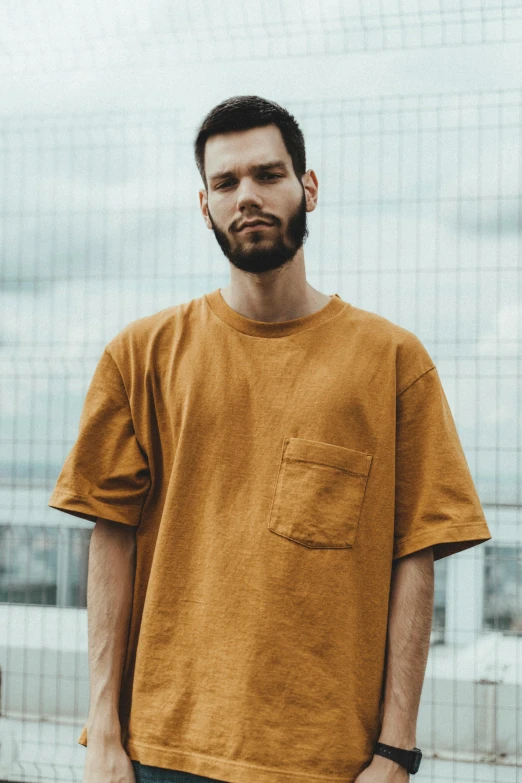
(258, 252)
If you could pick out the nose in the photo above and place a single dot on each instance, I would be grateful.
(247, 195)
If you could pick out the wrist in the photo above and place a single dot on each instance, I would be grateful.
(384, 763)
(406, 757)
(388, 771)
(104, 726)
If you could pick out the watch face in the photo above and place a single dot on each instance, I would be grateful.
(416, 760)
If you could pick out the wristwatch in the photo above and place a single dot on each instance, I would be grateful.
(410, 759)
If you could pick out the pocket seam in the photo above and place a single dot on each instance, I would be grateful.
(315, 452)
(326, 465)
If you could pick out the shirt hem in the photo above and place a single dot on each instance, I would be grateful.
(219, 768)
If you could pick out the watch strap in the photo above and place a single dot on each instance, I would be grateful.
(410, 759)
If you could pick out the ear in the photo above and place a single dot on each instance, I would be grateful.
(311, 186)
(203, 202)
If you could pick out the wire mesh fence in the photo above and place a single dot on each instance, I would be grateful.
(128, 34)
(419, 220)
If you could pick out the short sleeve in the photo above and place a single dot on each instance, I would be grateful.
(436, 502)
(106, 473)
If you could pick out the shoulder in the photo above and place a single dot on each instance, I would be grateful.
(140, 339)
(393, 342)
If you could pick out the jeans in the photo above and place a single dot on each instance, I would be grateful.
(146, 774)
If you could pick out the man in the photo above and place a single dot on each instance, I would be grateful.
(272, 472)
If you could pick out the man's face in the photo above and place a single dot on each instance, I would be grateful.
(274, 195)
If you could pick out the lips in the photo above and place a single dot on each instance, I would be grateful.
(255, 223)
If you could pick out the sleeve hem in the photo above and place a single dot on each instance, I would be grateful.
(88, 508)
(445, 541)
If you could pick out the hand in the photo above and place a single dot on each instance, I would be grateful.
(107, 762)
(383, 770)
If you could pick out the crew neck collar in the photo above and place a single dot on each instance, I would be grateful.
(271, 328)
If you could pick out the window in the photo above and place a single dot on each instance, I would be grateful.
(503, 588)
(45, 566)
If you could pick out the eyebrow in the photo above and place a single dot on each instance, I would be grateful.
(257, 167)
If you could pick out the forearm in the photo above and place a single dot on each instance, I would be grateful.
(109, 602)
(409, 628)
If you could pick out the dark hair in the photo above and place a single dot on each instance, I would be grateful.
(243, 112)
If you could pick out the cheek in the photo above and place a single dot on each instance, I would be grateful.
(221, 218)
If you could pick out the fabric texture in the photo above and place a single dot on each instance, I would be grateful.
(273, 472)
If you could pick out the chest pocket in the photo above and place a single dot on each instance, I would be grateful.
(319, 493)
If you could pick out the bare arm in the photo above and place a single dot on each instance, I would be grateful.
(110, 584)
(407, 646)
(409, 630)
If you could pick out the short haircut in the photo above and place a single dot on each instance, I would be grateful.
(243, 112)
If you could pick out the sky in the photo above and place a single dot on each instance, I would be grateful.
(412, 124)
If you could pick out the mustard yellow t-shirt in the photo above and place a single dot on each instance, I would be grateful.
(273, 471)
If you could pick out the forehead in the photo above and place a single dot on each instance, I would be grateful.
(237, 150)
